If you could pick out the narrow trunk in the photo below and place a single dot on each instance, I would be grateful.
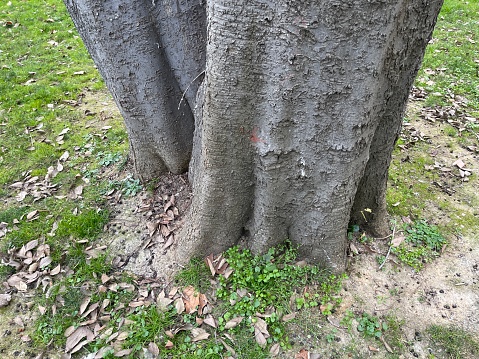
(124, 39)
(412, 31)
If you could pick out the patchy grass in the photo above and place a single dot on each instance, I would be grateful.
(450, 67)
(457, 343)
(422, 244)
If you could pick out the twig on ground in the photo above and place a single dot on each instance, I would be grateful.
(389, 250)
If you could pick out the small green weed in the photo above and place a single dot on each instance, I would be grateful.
(108, 159)
(269, 281)
(129, 186)
(458, 343)
(347, 319)
(371, 326)
(423, 243)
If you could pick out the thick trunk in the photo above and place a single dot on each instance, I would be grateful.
(125, 40)
(290, 114)
(295, 119)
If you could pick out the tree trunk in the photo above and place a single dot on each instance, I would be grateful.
(295, 120)
(127, 41)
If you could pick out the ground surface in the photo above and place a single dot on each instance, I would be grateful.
(445, 292)
(433, 176)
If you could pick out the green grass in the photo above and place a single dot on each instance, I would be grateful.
(457, 343)
(451, 63)
(422, 244)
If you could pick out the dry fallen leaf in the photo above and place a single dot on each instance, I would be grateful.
(397, 240)
(77, 336)
(162, 302)
(199, 334)
(259, 337)
(84, 305)
(5, 299)
(233, 322)
(179, 305)
(191, 299)
(123, 353)
(303, 354)
(153, 349)
(169, 344)
(288, 317)
(274, 350)
(210, 321)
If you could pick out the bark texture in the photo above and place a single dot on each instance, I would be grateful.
(295, 119)
(147, 72)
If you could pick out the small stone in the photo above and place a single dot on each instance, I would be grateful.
(447, 306)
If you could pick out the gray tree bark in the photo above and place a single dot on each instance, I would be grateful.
(295, 119)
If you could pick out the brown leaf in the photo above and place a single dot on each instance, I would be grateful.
(210, 321)
(397, 240)
(274, 350)
(84, 304)
(55, 270)
(202, 303)
(168, 243)
(77, 336)
(78, 190)
(79, 346)
(45, 262)
(459, 164)
(90, 309)
(152, 227)
(233, 322)
(191, 299)
(5, 300)
(162, 303)
(373, 349)
(169, 344)
(303, 354)
(102, 352)
(199, 334)
(209, 262)
(288, 317)
(31, 216)
(122, 336)
(172, 292)
(228, 272)
(123, 353)
(69, 331)
(261, 325)
(153, 349)
(170, 203)
(136, 304)
(227, 347)
(259, 337)
(179, 305)
(31, 245)
(104, 278)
